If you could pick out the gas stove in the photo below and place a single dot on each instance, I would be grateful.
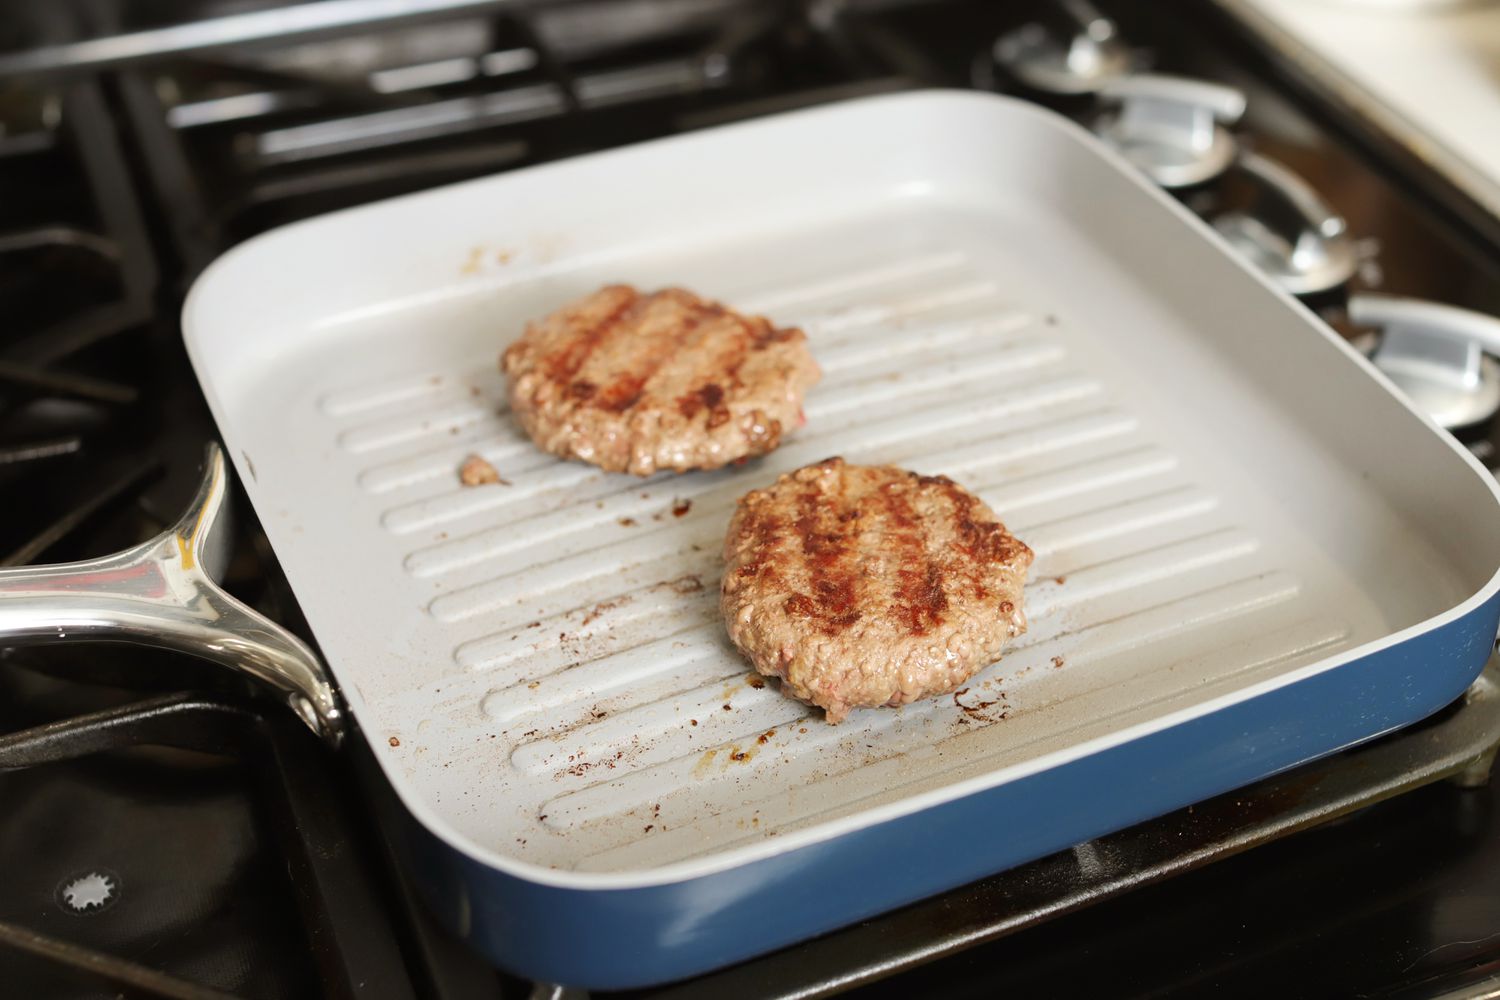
(173, 831)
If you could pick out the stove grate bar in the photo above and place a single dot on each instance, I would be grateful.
(98, 966)
(127, 483)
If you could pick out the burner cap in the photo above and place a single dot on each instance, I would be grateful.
(1288, 232)
(1044, 60)
(1436, 355)
(1172, 128)
(89, 892)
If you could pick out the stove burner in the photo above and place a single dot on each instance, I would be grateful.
(229, 831)
(1082, 64)
(93, 891)
(1172, 128)
(1439, 356)
(1287, 231)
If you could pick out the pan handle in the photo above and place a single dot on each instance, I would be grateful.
(165, 593)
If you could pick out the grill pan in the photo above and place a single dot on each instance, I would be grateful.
(1250, 552)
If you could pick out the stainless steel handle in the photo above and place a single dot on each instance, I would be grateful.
(164, 593)
(1435, 354)
(1289, 232)
(1170, 127)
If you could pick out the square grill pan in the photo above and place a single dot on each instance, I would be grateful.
(1225, 502)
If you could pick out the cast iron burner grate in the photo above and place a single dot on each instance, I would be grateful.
(77, 280)
(196, 807)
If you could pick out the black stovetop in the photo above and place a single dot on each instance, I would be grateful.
(203, 844)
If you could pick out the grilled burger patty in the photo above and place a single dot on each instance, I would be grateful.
(637, 382)
(869, 585)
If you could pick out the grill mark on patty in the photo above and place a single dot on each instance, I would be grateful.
(978, 541)
(749, 335)
(757, 334)
(565, 362)
(626, 389)
(620, 395)
(708, 396)
(718, 413)
(630, 389)
(833, 603)
(919, 598)
(767, 531)
(748, 338)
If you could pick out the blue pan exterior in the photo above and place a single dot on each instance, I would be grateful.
(620, 938)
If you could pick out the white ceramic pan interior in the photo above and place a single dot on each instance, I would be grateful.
(992, 297)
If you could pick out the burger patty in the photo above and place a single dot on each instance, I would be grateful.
(638, 383)
(869, 585)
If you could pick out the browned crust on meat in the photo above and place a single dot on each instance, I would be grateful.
(870, 585)
(476, 471)
(638, 383)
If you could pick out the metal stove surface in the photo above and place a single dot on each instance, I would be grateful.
(155, 856)
(225, 864)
